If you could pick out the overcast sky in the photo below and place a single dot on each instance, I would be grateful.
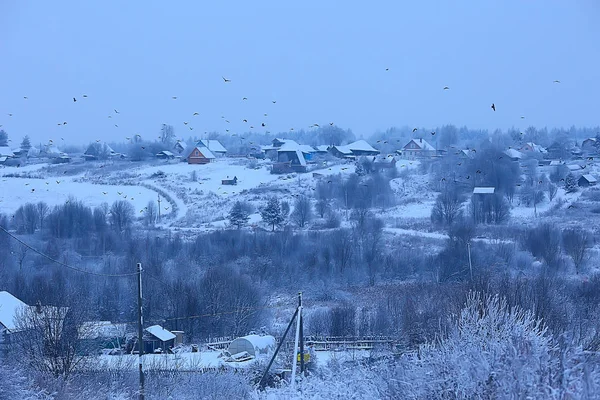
(320, 61)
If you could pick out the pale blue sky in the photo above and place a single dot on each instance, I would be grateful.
(321, 61)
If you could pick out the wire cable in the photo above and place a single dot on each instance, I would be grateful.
(62, 264)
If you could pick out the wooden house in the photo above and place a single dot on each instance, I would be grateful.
(199, 155)
(214, 146)
(514, 155)
(158, 340)
(5, 154)
(180, 147)
(418, 148)
(531, 147)
(228, 181)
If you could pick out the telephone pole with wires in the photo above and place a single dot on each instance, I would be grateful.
(140, 332)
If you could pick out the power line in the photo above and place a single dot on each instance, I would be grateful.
(62, 264)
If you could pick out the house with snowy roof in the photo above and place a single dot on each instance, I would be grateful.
(199, 155)
(514, 155)
(354, 149)
(5, 154)
(418, 148)
(214, 146)
(533, 148)
(179, 147)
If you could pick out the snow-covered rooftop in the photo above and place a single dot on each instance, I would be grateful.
(101, 329)
(213, 145)
(483, 190)
(590, 178)
(205, 152)
(512, 153)
(322, 148)
(167, 153)
(9, 307)
(5, 151)
(160, 332)
(343, 149)
(421, 143)
(360, 145)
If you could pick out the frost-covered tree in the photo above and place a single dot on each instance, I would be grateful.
(121, 215)
(271, 213)
(570, 183)
(447, 207)
(26, 144)
(489, 345)
(576, 243)
(3, 138)
(238, 215)
(302, 213)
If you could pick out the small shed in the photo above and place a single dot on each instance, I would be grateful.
(165, 155)
(158, 339)
(587, 180)
(228, 181)
(254, 345)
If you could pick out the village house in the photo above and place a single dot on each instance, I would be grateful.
(383, 162)
(514, 155)
(5, 154)
(180, 147)
(165, 155)
(95, 336)
(199, 155)
(587, 180)
(10, 309)
(353, 150)
(418, 148)
(214, 146)
(99, 151)
(533, 148)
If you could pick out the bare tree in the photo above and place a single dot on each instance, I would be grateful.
(43, 211)
(48, 339)
(447, 207)
(302, 211)
(121, 215)
(321, 207)
(544, 241)
(576, 243)
(167, 134)
(151, 213)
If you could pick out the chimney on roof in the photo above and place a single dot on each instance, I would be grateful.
(421, 140)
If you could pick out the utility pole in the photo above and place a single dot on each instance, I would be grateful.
(470, 265)
(159, 208)
(140, 331)
(301, 334)
(295, 357)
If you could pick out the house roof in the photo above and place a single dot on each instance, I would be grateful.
(9, 308)
(343, 149)
(322, 148)
(484, 190)
(360, 145)
(574, 167)
(166, 153)
(593, 139)
(205, 152)
(590, 178)
(556, 162)
(536, 147)
(512, 153)
(101, 329)
(298, 153)
(6, 151)
(213, 145)
(161, 333)
(422, 143)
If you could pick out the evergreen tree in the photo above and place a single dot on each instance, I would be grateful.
(3, 138)
(26, 144)
(238, 215)
(271, 214)
(570, 183)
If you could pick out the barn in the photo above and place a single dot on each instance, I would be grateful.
(199, 155)
(253, 345)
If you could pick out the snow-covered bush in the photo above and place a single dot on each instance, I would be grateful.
(495, 351)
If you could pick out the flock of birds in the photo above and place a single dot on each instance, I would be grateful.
(137, 137)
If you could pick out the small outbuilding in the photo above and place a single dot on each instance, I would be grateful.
(158, 339)
(253, 345)
(165, 155)
(587, 180)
